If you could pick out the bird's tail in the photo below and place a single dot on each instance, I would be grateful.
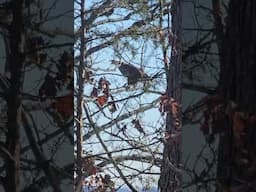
(145, 77)
(158, 74)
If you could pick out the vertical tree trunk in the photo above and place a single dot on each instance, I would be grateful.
(170, 178)
(238, 84)
(13, 98)
(80, 83)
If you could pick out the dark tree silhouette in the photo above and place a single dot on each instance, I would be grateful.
(13, 101)
(236, 163)
(230, 107)
(26, 165)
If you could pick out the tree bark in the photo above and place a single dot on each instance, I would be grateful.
(13, 99)
(79, 115)
(171, 174)
(237, 84)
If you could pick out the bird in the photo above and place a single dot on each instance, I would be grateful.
(132, 73)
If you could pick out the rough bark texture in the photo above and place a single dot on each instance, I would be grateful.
(79, 115)
(170, 178)
(13, 100)
(238, 84)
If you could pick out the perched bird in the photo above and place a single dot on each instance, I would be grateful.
(132, 73)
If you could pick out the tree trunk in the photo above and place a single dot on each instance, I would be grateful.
(79, 111)
(237, 149)
(13, 99)
(170, 177)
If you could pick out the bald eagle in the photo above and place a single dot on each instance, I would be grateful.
(132, 73)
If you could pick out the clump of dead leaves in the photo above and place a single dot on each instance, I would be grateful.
(102, 95)
(170, 105)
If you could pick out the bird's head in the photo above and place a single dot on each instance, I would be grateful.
(117, 63)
